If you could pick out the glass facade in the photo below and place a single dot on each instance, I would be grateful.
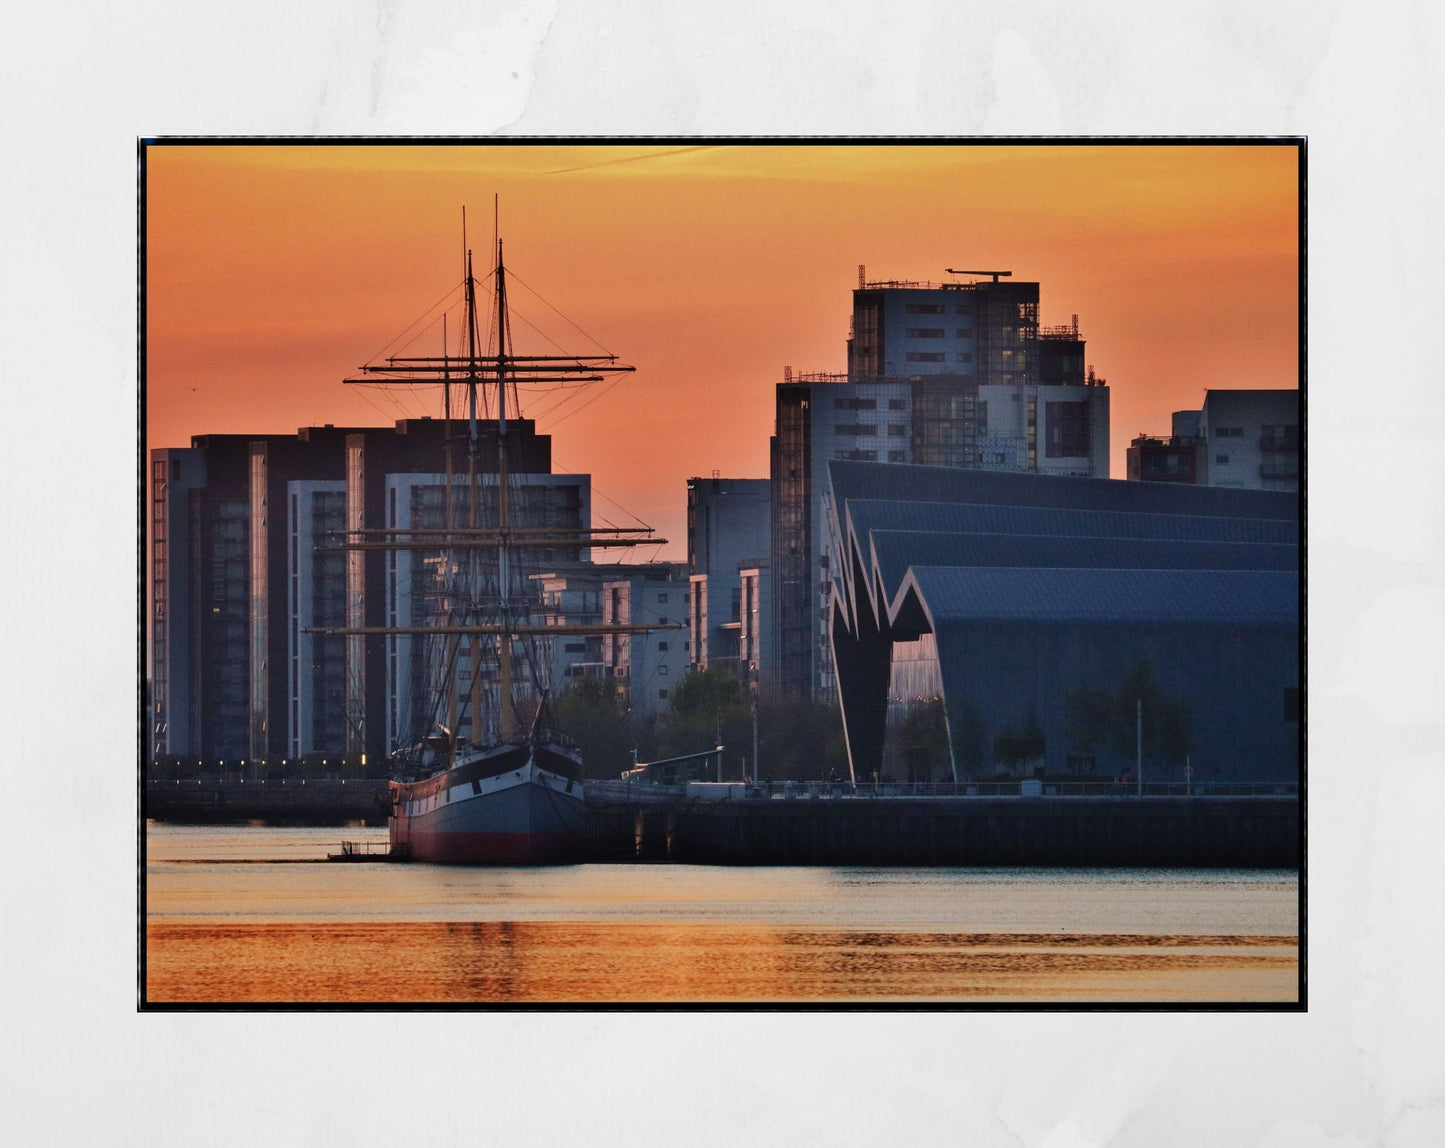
(947, 421)
(220, 524)
(355, 597)
(792, 536)
(260, 612)
(316, 596)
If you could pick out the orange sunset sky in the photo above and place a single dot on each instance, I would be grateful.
(274, 271)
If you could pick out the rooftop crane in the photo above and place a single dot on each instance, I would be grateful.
(995, 274)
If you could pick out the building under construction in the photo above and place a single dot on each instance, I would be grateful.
(955, 374)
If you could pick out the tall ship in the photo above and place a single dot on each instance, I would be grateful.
(509, 792)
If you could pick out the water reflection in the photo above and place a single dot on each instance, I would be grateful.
(238, 915)
(512, 961)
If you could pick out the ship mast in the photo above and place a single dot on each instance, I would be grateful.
(501, 368)
(473, 565)
(504, 639)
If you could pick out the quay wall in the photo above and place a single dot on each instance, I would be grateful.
(292, 801)
(1183, 832)
(1260, 831)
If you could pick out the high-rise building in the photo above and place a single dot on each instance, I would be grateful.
(246, 561)
(315, 596)
(1253, 437)
(216, 550)
(416, 593)
(1240, 438)
(382, 581)
(952, 374)
(727, 529)
(275, 514)
(646, 667)
(572, 595)
(177, 477)
(755, 636)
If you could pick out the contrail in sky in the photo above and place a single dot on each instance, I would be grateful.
(628, 159)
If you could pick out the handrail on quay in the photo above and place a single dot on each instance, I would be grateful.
(1028, 788)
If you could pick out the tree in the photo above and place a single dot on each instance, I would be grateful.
(705, 692)
(797, 741)
(708, 708)
(1167, 722)
(589, 711)
(1098, 719)
(1090, 721)
(968, 738)
(924, 740)
(801, 741)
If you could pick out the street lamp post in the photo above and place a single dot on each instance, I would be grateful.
(757, 773)
(1139, 745)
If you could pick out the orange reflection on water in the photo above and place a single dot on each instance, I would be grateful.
(593, 963)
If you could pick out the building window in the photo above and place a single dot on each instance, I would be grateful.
(1068, 429)
(897, 456)
(925, 332)
(662, 647)
(175, 468)
(662, 671)
(923, 308)
(924, 357)
(1221, 460)
(662, 620)
(964, 333)
(856, 428)
(661, 598)
(897, 404)
(897, 428)
(662, 694)
(964, 357)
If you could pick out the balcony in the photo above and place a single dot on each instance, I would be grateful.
(1277, 442)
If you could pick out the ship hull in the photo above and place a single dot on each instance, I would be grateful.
(526, 815)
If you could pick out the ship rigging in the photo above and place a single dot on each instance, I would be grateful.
(511, 792)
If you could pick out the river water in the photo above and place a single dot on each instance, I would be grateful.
(236, 914)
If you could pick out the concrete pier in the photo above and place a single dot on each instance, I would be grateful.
(288, 801)
(813, 824)
(1164, 831)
